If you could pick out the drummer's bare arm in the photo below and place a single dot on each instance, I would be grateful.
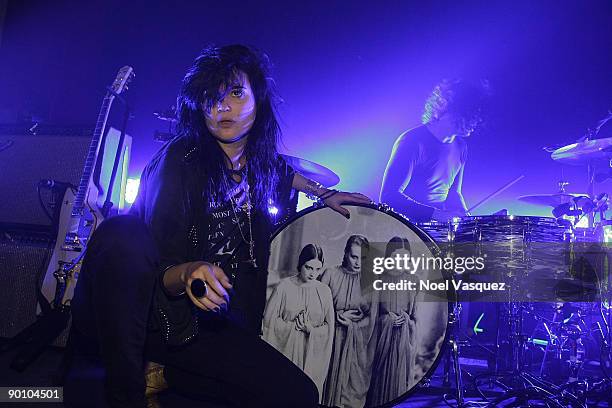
(455, 201)
(332, 198)
(397, 177)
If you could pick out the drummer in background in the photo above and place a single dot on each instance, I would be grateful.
(424, 174)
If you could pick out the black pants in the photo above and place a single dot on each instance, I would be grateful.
(225, 363)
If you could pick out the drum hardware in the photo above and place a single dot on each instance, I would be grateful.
(453, 343)
(453, 358)
(578, 209)
(444, 234)
(571, 337)
(565, 346)
(592, 152)
(511, 234)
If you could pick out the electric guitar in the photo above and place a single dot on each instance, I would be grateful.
(80, 213)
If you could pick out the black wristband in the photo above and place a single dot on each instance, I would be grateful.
(328, 194)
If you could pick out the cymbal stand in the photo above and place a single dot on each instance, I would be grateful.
(453, 343)
(591, 190)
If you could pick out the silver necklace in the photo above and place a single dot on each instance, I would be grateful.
(246, 207)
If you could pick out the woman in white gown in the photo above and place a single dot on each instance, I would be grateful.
(299, 317)
(349, 372)
(393, 367)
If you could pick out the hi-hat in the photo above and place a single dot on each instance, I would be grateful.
(312, 170)
(550, 200)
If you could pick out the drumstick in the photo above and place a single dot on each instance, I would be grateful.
(493, 194)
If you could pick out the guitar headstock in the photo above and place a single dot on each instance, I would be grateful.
(124, 77)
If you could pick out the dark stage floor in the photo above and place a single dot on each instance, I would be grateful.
(44, 372)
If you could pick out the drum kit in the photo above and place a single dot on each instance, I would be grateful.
(557, 350)
(542, 352)
(557, 353)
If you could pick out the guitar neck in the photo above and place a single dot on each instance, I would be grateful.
(92, 154)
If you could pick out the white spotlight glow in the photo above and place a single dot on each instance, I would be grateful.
(131, 190)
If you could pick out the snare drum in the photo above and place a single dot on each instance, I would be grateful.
(360, 346)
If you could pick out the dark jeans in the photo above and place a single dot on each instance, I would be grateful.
(110, 310)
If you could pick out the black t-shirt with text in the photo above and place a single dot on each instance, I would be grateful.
(228, 248)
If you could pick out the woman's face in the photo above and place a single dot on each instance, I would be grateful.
(310, 270)
(354, 258)
(402, 253)
(232, 117)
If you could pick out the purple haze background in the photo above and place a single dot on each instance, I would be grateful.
(353, 75)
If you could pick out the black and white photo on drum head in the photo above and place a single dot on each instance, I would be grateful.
(299, 316)
(362, 337)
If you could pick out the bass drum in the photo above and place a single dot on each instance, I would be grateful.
(362, 344)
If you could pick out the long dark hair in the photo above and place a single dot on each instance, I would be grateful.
(219, 67)
(397, 243)
(310, 251)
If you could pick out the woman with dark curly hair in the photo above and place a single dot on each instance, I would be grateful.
(200, 222)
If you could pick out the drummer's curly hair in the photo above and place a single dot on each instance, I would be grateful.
(464, 100)
(217, 68)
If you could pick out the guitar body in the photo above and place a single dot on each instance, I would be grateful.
(74, 232)
(59, 256)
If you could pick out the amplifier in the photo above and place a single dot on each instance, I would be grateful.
(52, 152)
(23, 261)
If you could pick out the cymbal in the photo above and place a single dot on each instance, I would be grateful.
(550, 200)
(312, 170)
(168, 115)
(584, 152)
